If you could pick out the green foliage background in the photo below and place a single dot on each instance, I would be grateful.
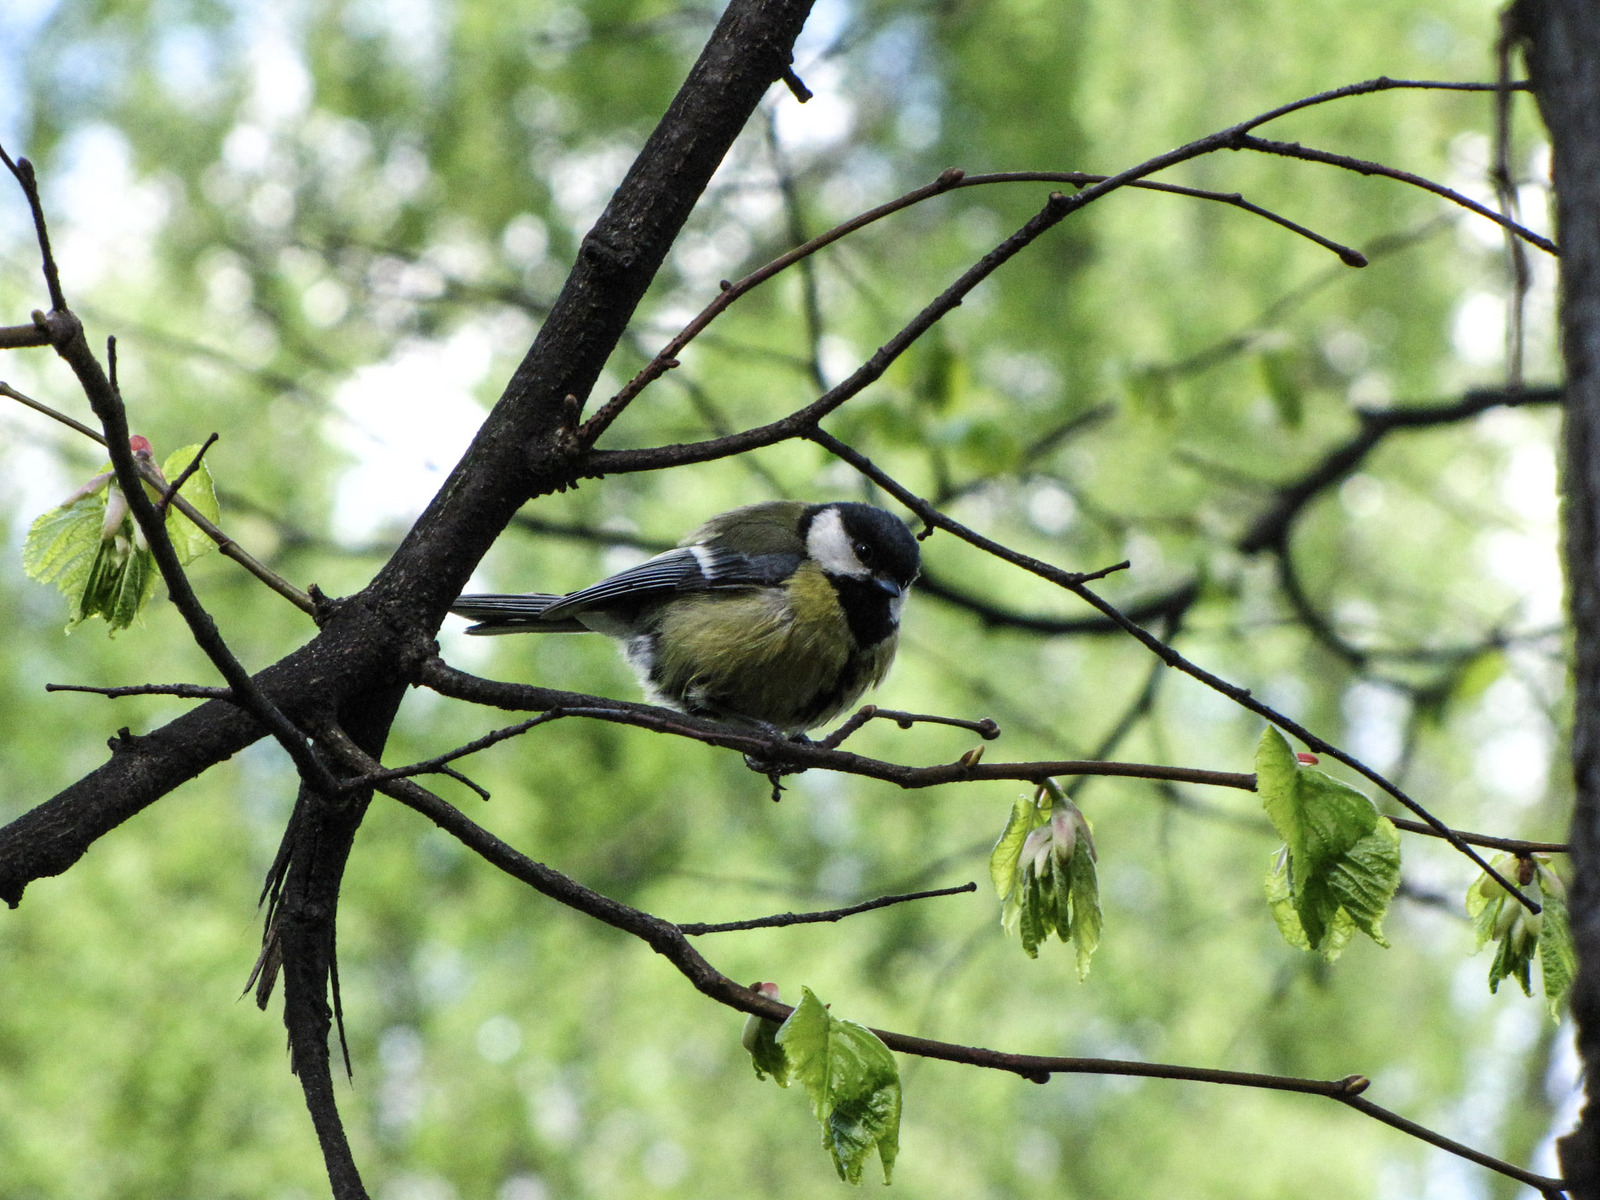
(268, 204)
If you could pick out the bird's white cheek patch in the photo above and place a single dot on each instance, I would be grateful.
(829, 545)
(896, 603)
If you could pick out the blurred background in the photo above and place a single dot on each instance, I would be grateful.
(327, 231)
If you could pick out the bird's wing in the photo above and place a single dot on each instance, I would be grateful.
(688, 568)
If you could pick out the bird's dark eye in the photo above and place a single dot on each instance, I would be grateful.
(864, 553)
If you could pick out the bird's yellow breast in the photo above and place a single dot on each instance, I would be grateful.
(783, 655)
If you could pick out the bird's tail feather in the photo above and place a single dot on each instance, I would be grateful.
(512, 613)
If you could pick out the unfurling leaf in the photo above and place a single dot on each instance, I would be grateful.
(1043, 868)
(1520, 935)
(853, 1083)
(1340, 864)
(760, 1039)
(92, 550)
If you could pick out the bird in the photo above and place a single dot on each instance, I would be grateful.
(778, 615)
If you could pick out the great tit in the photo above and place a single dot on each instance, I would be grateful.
(779, 614)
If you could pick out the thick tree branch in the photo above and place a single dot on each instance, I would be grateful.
(1562, 42)
(522, 450)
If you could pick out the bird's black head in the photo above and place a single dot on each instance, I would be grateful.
(871, 558)
(858, 541)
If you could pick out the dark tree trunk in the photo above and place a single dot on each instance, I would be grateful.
(1562, 42)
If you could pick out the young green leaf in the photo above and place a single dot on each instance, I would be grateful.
(91, 550)
(105, 574)
(62, 544)
(1043, 868)
(1086, 918)
(853, 1083)
(1341, 860)
(1520, 935)
(1004, 858)
(1558, 958)
(187, 537)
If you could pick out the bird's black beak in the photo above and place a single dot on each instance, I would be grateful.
(889, 585)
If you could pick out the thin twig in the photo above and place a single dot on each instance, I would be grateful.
(436, 764)
(986, 728)
(170, 492)
(812, 918)
(792, 81)
(1513, 845)
(184, 691)
(39, 406)
(466, 782)
(1347, 255)
(448, 681)
(22, 170)
(1551, 1189)
(1366, 167)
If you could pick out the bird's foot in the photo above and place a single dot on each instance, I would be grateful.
(775, 771)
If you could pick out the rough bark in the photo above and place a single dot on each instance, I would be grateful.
(1562, 42)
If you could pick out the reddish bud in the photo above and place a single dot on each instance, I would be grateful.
(138, 443)
(1307, 760)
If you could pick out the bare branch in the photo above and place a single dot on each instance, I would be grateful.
(184, 691)
(1513, 845)
(19, 337)
(170, 492)
(1094, 187)
(436, 765)
(22, 170)
(796, 424)
(812, 918)
(38, 406)
(985, 728)
(448, 681)
(1348, 256)
(1364, 167)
